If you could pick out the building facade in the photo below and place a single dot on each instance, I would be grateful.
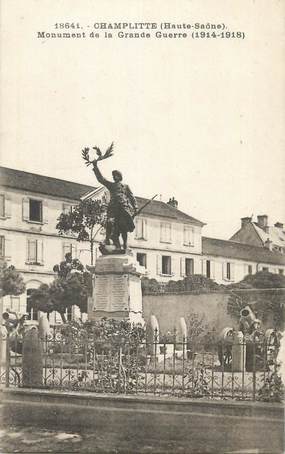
(166, 241)
(30, 206)
(227, 262)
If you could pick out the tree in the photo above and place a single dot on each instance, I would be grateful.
(83, 221)
(68, 266)
(11, 281)
(262, 279)
(195, 283)
(40, 299)
(72, 286)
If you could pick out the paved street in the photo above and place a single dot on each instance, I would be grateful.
(204, 434)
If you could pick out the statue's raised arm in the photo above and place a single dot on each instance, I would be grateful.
(99, 175)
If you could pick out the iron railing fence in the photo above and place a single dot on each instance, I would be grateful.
(178, 368)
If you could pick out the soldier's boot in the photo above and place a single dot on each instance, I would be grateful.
(125, 240)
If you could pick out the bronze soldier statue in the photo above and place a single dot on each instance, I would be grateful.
(121, 209)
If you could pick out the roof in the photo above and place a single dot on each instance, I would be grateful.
(32, 182)
(162, 209)
(235, 250)
(274, 234)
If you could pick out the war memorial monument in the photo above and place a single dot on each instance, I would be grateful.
(117, 274)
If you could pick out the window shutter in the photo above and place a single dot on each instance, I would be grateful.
(184, 234)
(182, 266)
(144, 228)
(74, 251)
(232, 271)
(65, 208)
(162, 229)
(137, 223)
(169, 232)
(224, 271)
(2, 247)
(158, 264)
(204, 267)
(45, 212)
(212, 269)
(192, 237)
(66, 247)
(40, 251)
(7, 248)
(28, 250)
(26, 209)
(7, 202)
(172, 265)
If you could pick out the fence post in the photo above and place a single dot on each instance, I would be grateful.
(32, 359)
(254, 370)
(5, 354)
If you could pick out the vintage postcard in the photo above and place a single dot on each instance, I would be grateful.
(142, 238)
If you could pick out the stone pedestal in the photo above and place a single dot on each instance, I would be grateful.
(116, 288)
(238, 353)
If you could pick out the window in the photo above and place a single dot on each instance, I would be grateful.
(2, 247)
(2, 205)
(66, 208)
(33, 314)
(15, 304)
(35, 251)
(141, 258)
(188, 236)
(189, 267)
(165, 232)
(208, 269)
(66, 249)
(32, 251)
(281, 271)
(35, 210)
(249, 269)
(166, 264)
(69, 248)
(68, 313)
(141, 229)
(228, 271)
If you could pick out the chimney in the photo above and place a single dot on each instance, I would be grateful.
(279, 225)
(262, 221)
(268, 244)
(245, 221)
(172, 202)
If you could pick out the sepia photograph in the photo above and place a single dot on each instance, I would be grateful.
(142, 226)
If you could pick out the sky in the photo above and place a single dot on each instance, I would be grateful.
(198, 119)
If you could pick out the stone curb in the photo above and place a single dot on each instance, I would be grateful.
(142, 403)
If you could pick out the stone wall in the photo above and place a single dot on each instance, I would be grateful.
(168, 308)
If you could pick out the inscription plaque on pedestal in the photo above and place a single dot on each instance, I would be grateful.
(116, 289)
(111, 293)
